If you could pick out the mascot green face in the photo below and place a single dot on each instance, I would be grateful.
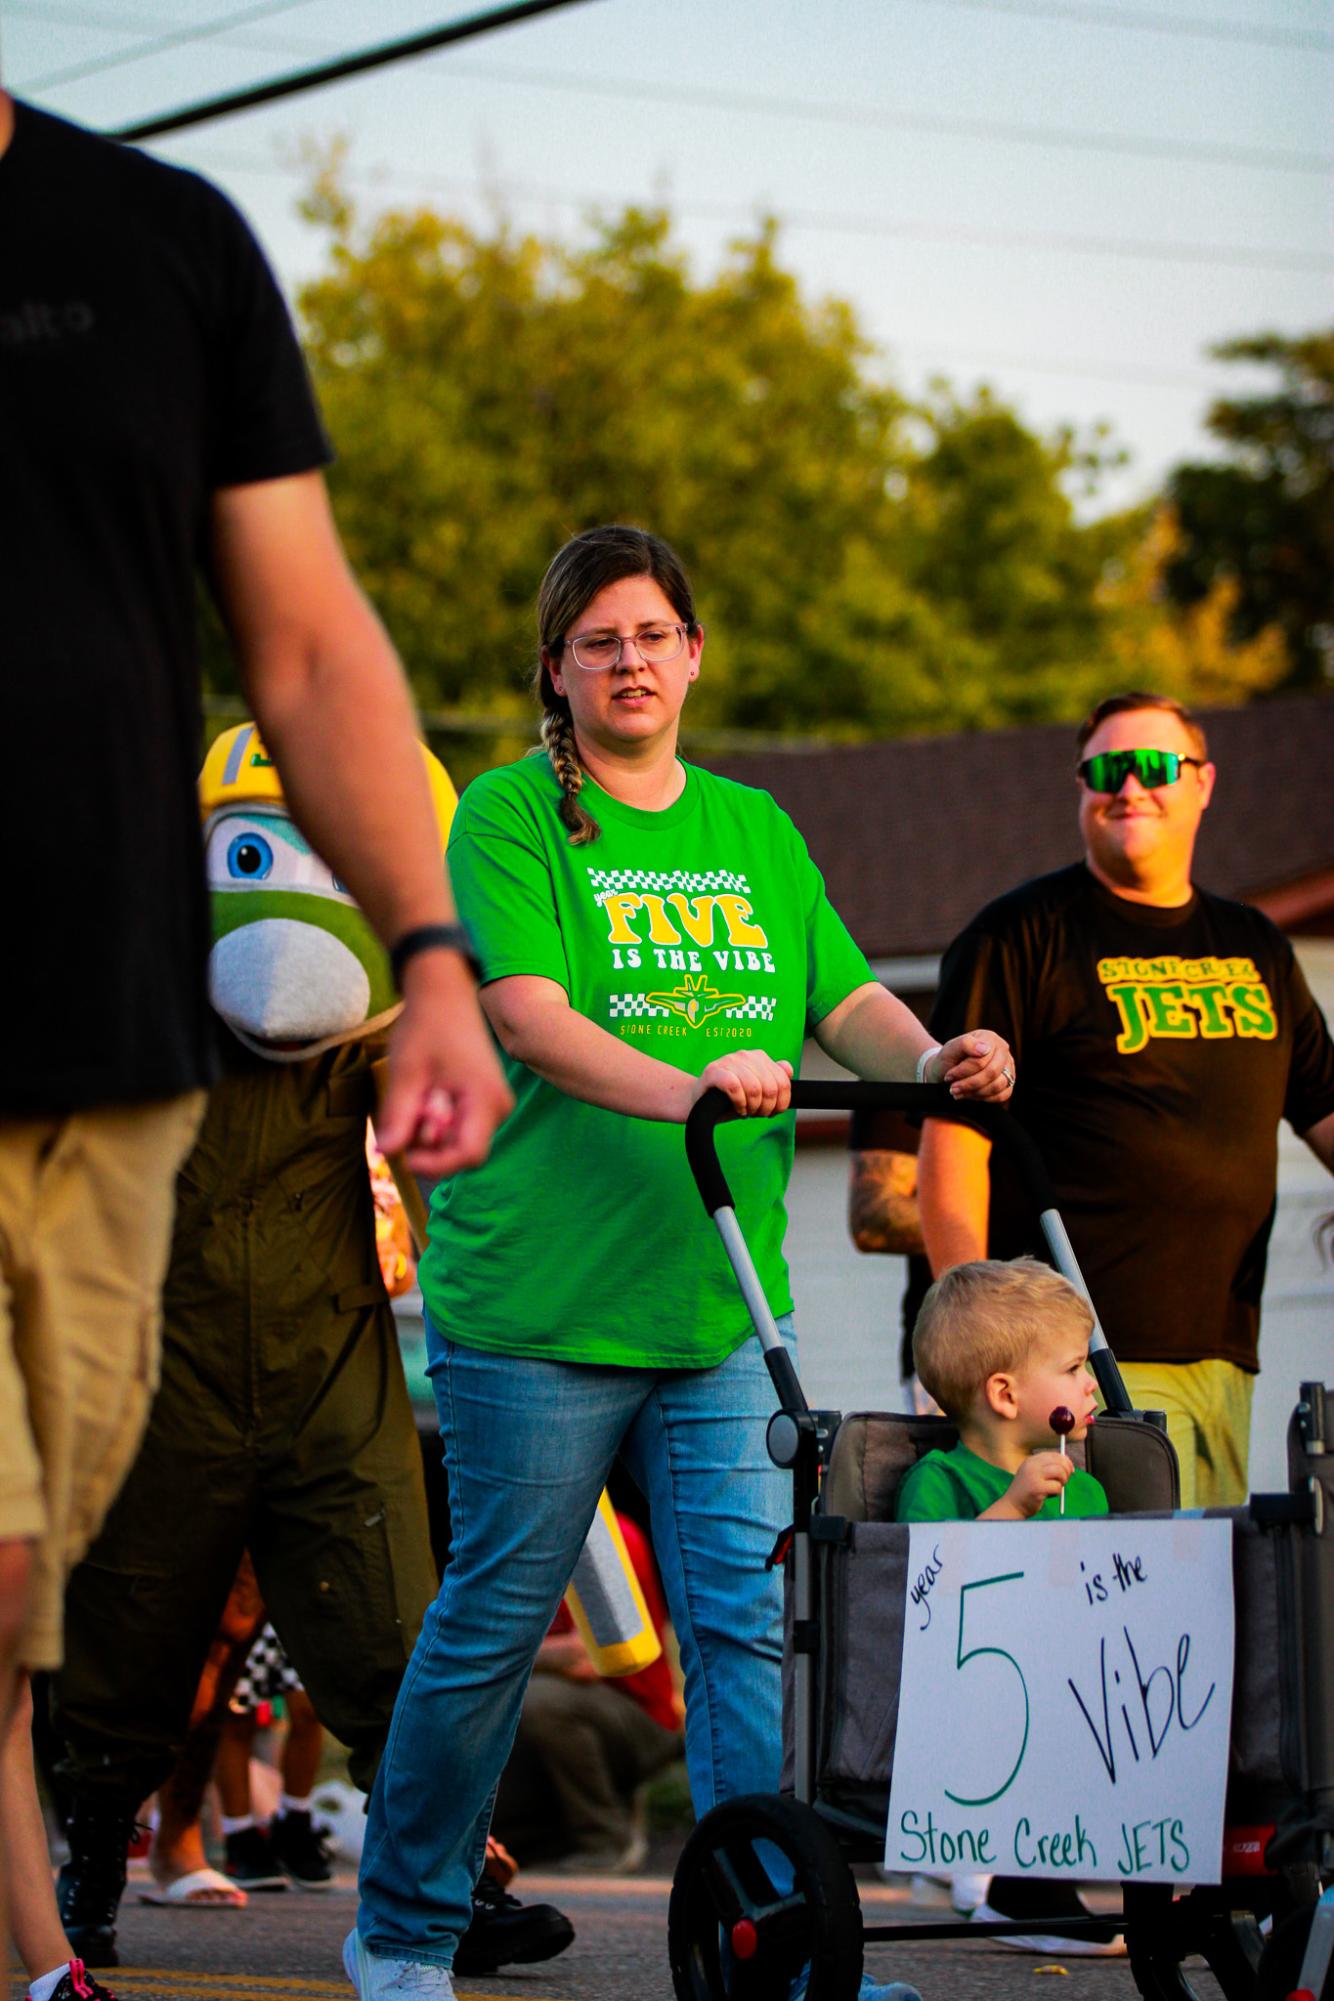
(295, 968)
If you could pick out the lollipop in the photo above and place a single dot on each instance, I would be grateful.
(1062, 1420)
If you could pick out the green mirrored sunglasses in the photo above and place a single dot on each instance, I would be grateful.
(1109, 771)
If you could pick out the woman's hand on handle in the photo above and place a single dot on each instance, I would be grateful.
(978, 1065)
(756, 1085)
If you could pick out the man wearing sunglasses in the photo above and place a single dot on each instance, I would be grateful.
(1160, 1033)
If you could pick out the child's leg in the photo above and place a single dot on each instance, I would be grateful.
(231, 1768)
(305, 1742)
(303, 1852)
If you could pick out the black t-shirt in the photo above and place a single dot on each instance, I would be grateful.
(146, 359)
(1157, 1051)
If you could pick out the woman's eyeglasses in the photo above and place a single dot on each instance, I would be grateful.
(655, 644)
(1109, 770)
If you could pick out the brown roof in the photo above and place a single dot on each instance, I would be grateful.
(915, 835)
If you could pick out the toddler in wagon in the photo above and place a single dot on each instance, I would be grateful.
(1001, 1347)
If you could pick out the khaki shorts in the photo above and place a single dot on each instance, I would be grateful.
(1208, 1406)
(86, 1204)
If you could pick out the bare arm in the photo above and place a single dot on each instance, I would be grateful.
(882, 1201)
(535, 1024)
(335, 712)
(330, 698)
(1320, 1139)
(875, 1036)
(953, 1193)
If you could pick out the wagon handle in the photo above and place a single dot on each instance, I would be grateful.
(928, 1101)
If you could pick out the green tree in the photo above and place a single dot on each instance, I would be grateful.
(1263, 520)
(989, 532)
(865, 567)
(491, 396)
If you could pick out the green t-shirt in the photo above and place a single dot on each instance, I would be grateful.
(956, 1486)
(687, 933)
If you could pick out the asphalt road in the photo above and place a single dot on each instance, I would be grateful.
(286, 1948)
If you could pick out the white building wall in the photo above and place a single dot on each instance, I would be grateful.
(848, 1305)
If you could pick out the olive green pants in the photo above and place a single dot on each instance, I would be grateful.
(317, 1472)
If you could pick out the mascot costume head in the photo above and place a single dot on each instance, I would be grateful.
(295, 968)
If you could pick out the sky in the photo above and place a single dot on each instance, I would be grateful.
(1070, 200)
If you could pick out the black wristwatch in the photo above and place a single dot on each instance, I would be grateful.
(429, 938)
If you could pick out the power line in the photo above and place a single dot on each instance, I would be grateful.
(990, 129)
(1225, 256)
(763, 104)
(1211, 29)
(1145, 375)
(173, 38)
(345, 66)
(1191, 26)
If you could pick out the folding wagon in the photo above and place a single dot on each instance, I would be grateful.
(765, 1885)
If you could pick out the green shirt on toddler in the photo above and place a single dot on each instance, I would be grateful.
(956, 1486)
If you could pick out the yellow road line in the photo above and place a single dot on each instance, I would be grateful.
(264, 1986)
(225, 1986)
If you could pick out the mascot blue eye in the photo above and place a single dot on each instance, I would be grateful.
(249, 858)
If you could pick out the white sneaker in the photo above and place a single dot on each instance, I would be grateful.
(1104, 1943)
(968, 1889)
(378, 1979)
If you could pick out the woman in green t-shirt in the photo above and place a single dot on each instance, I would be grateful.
(646, 931)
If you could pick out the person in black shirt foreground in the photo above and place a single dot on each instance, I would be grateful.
(157, 423)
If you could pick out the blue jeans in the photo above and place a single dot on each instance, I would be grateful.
(529, 1446)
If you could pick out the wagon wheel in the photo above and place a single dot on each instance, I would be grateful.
(762, 1890)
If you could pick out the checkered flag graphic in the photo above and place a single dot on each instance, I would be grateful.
(690, 882)
(625, 1005)
(757, 1008)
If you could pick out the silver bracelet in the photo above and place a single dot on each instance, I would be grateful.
(919, 1075)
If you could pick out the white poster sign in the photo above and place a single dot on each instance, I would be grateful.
(1065, 1700)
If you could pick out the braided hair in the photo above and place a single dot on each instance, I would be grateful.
(563, 753)
(585, 566)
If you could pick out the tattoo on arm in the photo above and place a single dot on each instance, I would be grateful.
(882, 1202)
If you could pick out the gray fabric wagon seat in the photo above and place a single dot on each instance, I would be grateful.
(872, 1451)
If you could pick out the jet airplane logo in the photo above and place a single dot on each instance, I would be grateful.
(696, 1000)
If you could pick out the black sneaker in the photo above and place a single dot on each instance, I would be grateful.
(251, 1862)
(301, 1850)
(78, 1985)
(505, 1932)
(91, 1883)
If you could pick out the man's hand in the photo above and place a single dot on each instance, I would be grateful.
(1040, 1476)
(446, 1093)
(977, 1066)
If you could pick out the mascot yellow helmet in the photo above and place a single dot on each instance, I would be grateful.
(239, 771)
